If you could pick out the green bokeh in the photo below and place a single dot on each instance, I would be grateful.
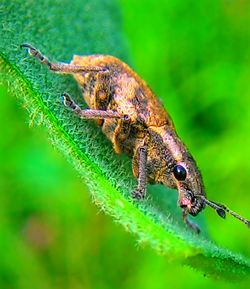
(195, 56)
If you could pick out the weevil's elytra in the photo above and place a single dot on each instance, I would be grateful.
(136, 123)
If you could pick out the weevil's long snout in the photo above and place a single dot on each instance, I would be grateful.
(185, 202)
(190, 202)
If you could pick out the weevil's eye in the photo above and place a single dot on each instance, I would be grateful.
(180, 173)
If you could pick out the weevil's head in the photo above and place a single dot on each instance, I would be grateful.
(170, 163)
(188, 181)
(182, 173)
(192, 198)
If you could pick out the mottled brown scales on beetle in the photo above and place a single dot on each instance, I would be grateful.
(137, 124)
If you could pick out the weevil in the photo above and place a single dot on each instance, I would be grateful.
(136, 123)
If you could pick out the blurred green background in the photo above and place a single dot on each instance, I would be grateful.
(195, 56)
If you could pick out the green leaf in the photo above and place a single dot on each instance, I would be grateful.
(63, 28)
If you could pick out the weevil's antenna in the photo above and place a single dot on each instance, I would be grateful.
(222, 209)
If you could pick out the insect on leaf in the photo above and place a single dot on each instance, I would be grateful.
(155, 221)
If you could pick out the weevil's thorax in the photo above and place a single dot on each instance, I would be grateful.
(168, 151)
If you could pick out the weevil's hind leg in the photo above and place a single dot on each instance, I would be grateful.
(190, 224)
(140, 191)
(88, 113)
(59, 66)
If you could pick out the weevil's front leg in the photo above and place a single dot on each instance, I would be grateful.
(59, 66)
(89, 113)
(140, 191)
(190, 224)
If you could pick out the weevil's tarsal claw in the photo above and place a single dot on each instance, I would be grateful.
(32, 50)
(139, 194)
(221, 213)
(36, 53)
(26, 45)
(68, 101)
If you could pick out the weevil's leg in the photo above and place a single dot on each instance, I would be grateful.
(59, 66)
(140, 191)
(190, 224)
(88, 113)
